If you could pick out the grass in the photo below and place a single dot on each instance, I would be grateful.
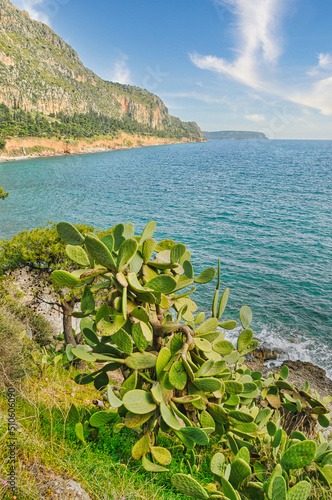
(48, 446)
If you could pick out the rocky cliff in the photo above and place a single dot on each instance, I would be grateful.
(40, 72)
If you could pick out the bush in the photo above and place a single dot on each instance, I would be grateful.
(180, 375)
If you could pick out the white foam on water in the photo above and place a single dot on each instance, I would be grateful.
(297, 346)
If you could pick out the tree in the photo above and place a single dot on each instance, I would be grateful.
(42, 252)
(3, 195)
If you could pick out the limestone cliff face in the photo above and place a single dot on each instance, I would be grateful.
(40, 72)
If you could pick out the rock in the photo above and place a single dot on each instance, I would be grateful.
(59, 487)
(301, 371)
(265, 352)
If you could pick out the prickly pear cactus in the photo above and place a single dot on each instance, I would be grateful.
(181, 375)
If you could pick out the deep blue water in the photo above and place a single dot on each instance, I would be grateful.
(263, 207)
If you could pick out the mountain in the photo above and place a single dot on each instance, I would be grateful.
(234, 134)
(39, 72)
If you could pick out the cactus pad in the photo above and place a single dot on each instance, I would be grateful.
(279, 488)
(217, 464)
(161, 455)
(245, 316)
(139, 401)
(240, 470)
(189, 486)
(300, 491)
(64, 279)
(102, 417)
(69, 234)
(299, 455)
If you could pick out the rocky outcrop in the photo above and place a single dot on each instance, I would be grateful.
(41, 72)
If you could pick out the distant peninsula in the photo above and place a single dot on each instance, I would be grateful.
(234, 135)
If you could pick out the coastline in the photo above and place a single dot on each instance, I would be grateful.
(33, 147)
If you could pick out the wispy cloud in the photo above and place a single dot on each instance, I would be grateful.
(258, 31)
(259, 43)
(121, 71)
(255, 118)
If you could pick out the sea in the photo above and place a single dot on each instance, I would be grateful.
(262, 207)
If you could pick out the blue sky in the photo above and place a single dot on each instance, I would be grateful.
(227, 64)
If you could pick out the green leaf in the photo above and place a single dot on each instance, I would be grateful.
(99, 252)
(73, 412)
(126, 252)
(196, 434)
(300, 491)
(69, 354)
(169, 418)
(139, 401)
(206, 275)
(78, 255)
(188, 269)
(90, 336)
(299, 455)
(228, 325)
(189, 486)
(284, 372)
(178, 375)
(244, 339)
(223, 302)
(102, 417)
(118, 236)
(82, 354)
(176, 252)
(123, 341)
(163, 358)
(148, 249)
(87, 301)
(233, 387)
(208, 326)
(151, 467)
(148, 232)
(162, 283)
(161, 455)
(64, 279)
(245, 316)
(79, 431)
(279, 488)
(113, 400)
(69, 233)
(140, 361)
(208, 384)
(108, 240)
(223, 347)
(217, 464)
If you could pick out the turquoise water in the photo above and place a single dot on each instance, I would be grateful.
(263, 207)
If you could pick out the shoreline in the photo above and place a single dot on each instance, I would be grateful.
(34, 147)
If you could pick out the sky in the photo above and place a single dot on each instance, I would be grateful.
(261, 65)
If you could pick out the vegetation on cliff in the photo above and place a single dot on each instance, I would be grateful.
(20, 123)
(39, 72)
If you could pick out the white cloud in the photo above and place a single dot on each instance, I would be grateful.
(324, 60)
(259, 48)
(255, 118)
(121, 72)
(259, 44)
(40, 10)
